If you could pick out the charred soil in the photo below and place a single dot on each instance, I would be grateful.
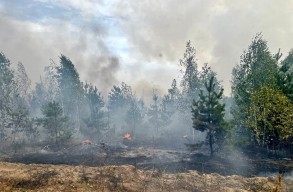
(120, 168)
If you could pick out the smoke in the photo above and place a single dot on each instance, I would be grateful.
(220, 30)
(139, 40)
(81, 39)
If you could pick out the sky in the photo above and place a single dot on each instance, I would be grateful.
(139, 42)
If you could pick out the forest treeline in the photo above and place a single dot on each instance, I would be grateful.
(61, 107)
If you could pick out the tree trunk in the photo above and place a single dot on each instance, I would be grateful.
(78, 118)
(211, 145)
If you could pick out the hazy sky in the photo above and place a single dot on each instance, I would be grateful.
(139, 42)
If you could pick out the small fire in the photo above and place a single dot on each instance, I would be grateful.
(87, 142)
(127, 136)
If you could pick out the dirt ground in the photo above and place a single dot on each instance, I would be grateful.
(40, 177)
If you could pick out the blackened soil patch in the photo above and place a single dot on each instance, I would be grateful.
(167, 161)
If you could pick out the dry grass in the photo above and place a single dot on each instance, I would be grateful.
(20, 177)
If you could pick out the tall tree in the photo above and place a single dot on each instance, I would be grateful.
(19, 123)
(23, 83)
(208, 114)
(96, 116)
(285, 76)
(38, 99)
(134, 116)
(170, 101)
(155, 112)
(70, 89)
(120, 99)
(190, 81)
(51, 83)
(14, 99)
(257, 68)
(47, 90)
(7, 92)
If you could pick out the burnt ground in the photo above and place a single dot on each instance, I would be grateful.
(105, 167)
(165, 160)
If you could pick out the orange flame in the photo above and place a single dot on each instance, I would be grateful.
(127, 136)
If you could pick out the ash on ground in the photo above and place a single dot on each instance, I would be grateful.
(149, 157)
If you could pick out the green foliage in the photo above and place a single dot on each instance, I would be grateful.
(15, 121)
(133, 116)
(120, 97)
(70, 87)
(206, 74)
(23, 84)
(21, 125)
(208, 113)
(6, 74)
(124, 107)
(170, 102)
(55, 123)
(7, 92)
(190, 82)
(285, 76)
(38, 99)
(257, 68)
(51, 82)
(271, 117)
(190, 72)
(155, 113)
(96, 118)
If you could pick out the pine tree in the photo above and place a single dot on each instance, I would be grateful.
(208, 114)
(7, 93)
(70, 90)
(38, 99)
(120, 97)
(190, 81)
(96, 118)
(170, 101)
(133, 117)
(285, 76)
(205, 75)
(14, 102)
(23, 84)
(51, 83)
(55, 122)
(154, 113)
(47, 90)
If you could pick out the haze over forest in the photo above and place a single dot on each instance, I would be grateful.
(171, 85)
(140, 42)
